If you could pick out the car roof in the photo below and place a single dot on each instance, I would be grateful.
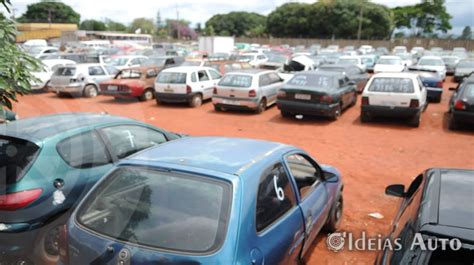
(221, 154)
(448, 210)
(186, 69)
(42, 127)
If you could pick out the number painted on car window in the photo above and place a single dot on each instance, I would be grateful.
(278, 190)
(130, 137)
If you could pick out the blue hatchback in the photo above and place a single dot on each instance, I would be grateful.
(206, 200)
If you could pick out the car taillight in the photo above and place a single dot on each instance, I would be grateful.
(214, 91)
(252, 93)
(63, 246)
(439, 84)
(365, 101)
(189, 90)
(18, 200)
(414, 103)
(459, 105)
(326, 99)
(281, 94)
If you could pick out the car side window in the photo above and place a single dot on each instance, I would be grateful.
(126, 140)
(134, 61)
(304, 172)
(275, 78)
(264, 80)
(150, 73)
(96, 70)
(202, 75)
(169, 61)
(261, 57)
(193, 77)
(275, 196)
(84, 151)
(215, 75)
(111, 70)
(420, 83)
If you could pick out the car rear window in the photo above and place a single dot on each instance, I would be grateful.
(16, 157)
(66, 71)
(236, 81)
(312, 80)
(392, 85)
(469, 91)
(171, 211)
(437, 62)
(171, 78)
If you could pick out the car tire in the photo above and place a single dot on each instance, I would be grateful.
(335, 215)
(285, 114)
(147, 95)
(415, 121)
(217, 108)
(262, 106)
(46, 87)
(337, 113)
(46, 242)
(365, 117)
(438, 99)
(90, 91)
(158, 101)
(452, 124)
(196, 101)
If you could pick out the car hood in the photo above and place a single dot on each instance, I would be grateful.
(433, 67)
(464, 70)
(388, 68)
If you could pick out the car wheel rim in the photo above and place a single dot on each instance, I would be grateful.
(92, 92)
(51, 242)
(197, 101)
(148, 95)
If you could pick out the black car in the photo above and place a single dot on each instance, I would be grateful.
(436, 207)
(318, 93)
(461, 104)
(353, 72)
(432, 81)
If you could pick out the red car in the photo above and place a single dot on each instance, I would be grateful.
(132, 83)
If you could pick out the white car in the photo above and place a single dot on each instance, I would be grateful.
(354, 60)
(44, 76)
(389, 64)
(407, 59)
(399, 49)
(254, 59)
(366, 49)
(186, 84)
(254, 89)
(417, 50)
(127, 61)
(394, 95)
(433, 63)
(42, 52)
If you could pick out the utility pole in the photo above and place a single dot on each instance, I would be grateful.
(177, 22)
(361, 15)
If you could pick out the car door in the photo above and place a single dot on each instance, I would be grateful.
(349, 93)
(312, 193)
(98, 74)
(279, 222)
(216, 77)
(205, 84)
(276, 85)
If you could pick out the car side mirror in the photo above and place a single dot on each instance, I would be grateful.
(453, 89)
(396, 190)
(330, 177)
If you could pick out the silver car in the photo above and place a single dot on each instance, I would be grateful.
(463, 68)
(254, 89)
(81, 79)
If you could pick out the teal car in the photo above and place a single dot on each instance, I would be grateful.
(7, 115)
(47, 164)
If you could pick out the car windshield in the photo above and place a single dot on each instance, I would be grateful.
(129, 74)
(469, 91)
(16, 156)
(235, 80)
(449, 60)
(393, 85)
(436, 62)
(466, 64)
(387, 61)
(65, 71)
(312, 81)
(171, 78)
(159, 209)
(118, 61)
(347, 61)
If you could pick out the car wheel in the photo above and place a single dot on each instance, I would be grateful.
(365, 117)
(415, 121)
(438, 99)
(158, 101)
(335, 216)
(46, 87)
(196, 101)
(337, 113)
(285, 114)
(452, 124)
(61, 94)
(217, 108)
(90, 91)
(261, 106)
(147, 95)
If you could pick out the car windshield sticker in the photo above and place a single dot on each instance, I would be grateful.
(278, 190)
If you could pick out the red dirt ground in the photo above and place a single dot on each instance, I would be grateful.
(370, 156)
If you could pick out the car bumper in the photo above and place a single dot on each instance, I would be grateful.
(390, 111)
(235, 103)
(175, 98)
(463, 116)
(67, 89)
(307, 108)
(116, 93)
(16, 247)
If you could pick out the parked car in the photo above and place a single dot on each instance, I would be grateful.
(433, 63)
(81, 79)
(417, 51)
(58, 159)
(432, 81)
(366, 49)
(164, 61)
(352, 60)
(132, 83)
(206, 200)
(399, 49)
(42, 52)
(127, 61)
(353, 72)
(381, 51)
(369, 61)
(254, 59)
(433, 207)
(407, 59)
(7, 116)
(461, 104)
(318, 93)
(254, 89)
(44, 75)
(389, 64)
(463, 68)
(450, 62)
(394, 95)
(224, 67)
(189, 84)
(275, 62)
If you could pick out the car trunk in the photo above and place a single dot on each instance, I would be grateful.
(233, 92)
(63, 76)
(171, 88)
(390, 99)
(305, 95)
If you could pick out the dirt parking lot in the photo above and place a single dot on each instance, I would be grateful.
(370, 156)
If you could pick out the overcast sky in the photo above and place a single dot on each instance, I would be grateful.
(201, 10)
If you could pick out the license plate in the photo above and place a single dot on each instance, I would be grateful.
(169, 90)
(303, 96)
(231, 102)
(389, 103)
(112, 88)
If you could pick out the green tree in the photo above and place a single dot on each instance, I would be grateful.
(466, 33)
(16, 66)
(209, 31)
(291, 20)
(145, 25)
(92, 24)
(236, 23)
(53, 12)
(114, 26)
